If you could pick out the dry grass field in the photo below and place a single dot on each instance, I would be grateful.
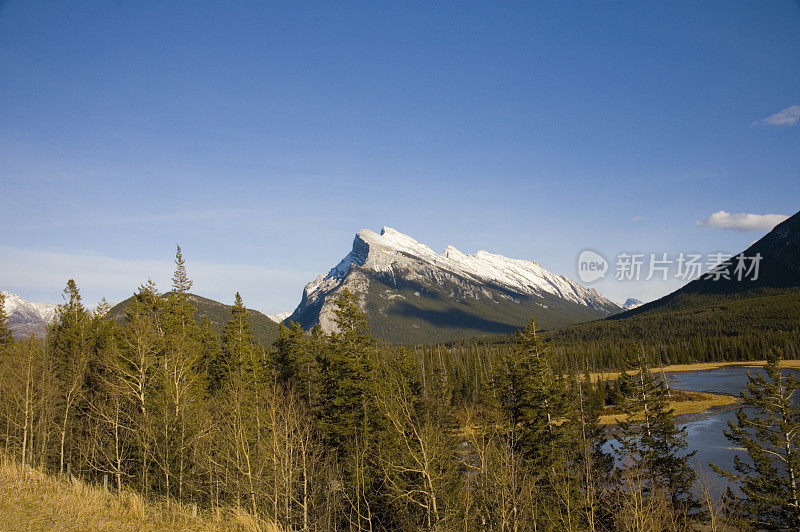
(32, 500)
(682, 403)
(699, 366)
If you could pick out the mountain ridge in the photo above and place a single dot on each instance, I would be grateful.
(28, 317)
(398, 278)
(265, 330)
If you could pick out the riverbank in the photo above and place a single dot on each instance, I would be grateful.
(682, 402)
(698, 366)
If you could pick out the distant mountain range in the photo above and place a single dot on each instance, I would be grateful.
(412, 294)
(26, 318)
(280, 317)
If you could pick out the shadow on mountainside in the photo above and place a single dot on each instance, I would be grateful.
(451, 318)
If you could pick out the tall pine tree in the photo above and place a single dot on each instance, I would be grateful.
(769, 432)
(650, 443)
(347, 419)
(70, 343)
(345, 373)
(181, 284)
(183, 382)
(238, 346)
(532, 396)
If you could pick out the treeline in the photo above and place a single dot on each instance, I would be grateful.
(338, 431)
(709, 329)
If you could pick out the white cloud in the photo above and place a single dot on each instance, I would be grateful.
(785, 117)
(638, 218)
(742, 222)
(41, 276)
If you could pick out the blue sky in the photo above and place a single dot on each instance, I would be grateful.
(262, 136)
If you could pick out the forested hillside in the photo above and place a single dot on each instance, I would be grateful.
(776, 268)
(723, 315)
(703, 328)
(264, 329)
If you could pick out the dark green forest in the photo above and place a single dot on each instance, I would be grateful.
(698, 329)
(339, 431)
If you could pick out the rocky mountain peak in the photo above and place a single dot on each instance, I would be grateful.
(399, 262)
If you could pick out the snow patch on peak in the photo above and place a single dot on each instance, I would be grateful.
(632, 302)
(394, 240)
(279, 317)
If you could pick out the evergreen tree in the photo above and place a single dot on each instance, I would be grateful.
(289, 355)
(532, 396)
(348, 422)
(70, 343)
(6, 338)
(241, 408)
(180, 279)
(769, 433)
(183, 384)
(238, 346)
(102, 308)
(212, 361)
(552, 430)
(345, 373)
(650, 443)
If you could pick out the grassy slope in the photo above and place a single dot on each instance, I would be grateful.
(32, 500)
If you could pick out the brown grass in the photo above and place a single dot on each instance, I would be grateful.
(683, 402)
(698, 366)
(33, 500)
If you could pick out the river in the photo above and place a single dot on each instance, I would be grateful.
(705, 430)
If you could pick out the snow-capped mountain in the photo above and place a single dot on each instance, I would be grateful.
(26, 317)
(632, 302)
(279, 317)
(410, 292)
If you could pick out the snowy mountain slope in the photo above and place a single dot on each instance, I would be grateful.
(26, 317)
(632, 302)
(279, 317)
(397, 278)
